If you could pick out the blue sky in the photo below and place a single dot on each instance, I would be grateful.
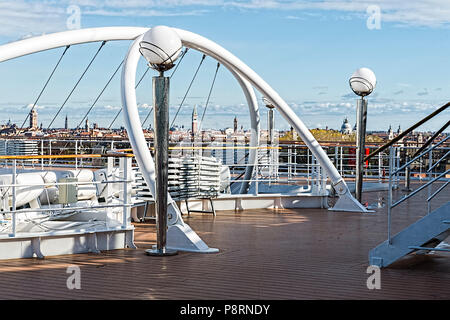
(306, 50)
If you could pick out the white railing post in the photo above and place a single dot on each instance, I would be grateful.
(109, 173)
(289, 164)
(307, 168)
(42, 153)
(380, 165)
(256, 175)
(76, 153)
(49, 152)
(13, 209)
(389, 208)
(125, 166)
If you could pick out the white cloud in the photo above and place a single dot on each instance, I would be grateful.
(36, 107)
(432, 13)
(144, 106)
(109, 107)
(21, 17)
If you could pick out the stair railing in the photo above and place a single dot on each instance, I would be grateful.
(393, 172)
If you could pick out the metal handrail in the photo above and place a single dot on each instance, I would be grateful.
(419, 189)
(430, 140)
(68, 156)
(421, 155)
(439, 161)
(438, 191)
(407, 131)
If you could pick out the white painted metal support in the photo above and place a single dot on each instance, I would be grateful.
(49, 152)
(14, 199)
(92, 243)
(125, 167)
(36, 246)
(76, 152)
(42, 153)
(129, 239)
(109, 177)
(12, 50)
(380, 164)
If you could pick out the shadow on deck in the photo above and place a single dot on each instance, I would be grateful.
(264, 254)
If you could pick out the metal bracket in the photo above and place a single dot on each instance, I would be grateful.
(238, 205)
(346, 201)
(92, 242)
(277, 204)
(36, 246)
(129, 239)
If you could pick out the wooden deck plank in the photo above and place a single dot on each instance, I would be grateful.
(264, 254)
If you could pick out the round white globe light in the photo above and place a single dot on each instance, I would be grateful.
(363, 81)
(267, 103)
(161, 46)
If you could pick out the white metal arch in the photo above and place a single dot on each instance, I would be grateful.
(60, 39)
(243, 73)
(180, 236)
(346, 201)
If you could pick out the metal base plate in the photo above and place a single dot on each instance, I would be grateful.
(161, 252)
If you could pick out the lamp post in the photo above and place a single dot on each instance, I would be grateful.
(270, 134)
(161, 46)
(362, 82)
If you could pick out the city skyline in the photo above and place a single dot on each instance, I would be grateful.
(407, 55)
(345, 128)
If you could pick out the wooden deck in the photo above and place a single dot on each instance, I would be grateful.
(264, 254)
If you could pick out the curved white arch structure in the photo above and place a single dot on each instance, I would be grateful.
(245, 76)
(60, 39)
(346, 201)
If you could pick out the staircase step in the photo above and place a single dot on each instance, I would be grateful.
(418, 234)
(430, 249)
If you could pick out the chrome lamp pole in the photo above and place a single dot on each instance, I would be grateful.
(161, 46)
(362, 82)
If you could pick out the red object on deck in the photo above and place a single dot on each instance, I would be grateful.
(367, 152)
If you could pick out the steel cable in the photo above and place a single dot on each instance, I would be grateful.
(45, 85)
(76, 85)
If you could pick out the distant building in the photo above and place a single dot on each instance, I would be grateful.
(294, 134)
(86, 125)
(194, 120)
(420, 139)
(235, 127)
(33, 119)
(66, 123)
(390, 133)
(346, 128)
